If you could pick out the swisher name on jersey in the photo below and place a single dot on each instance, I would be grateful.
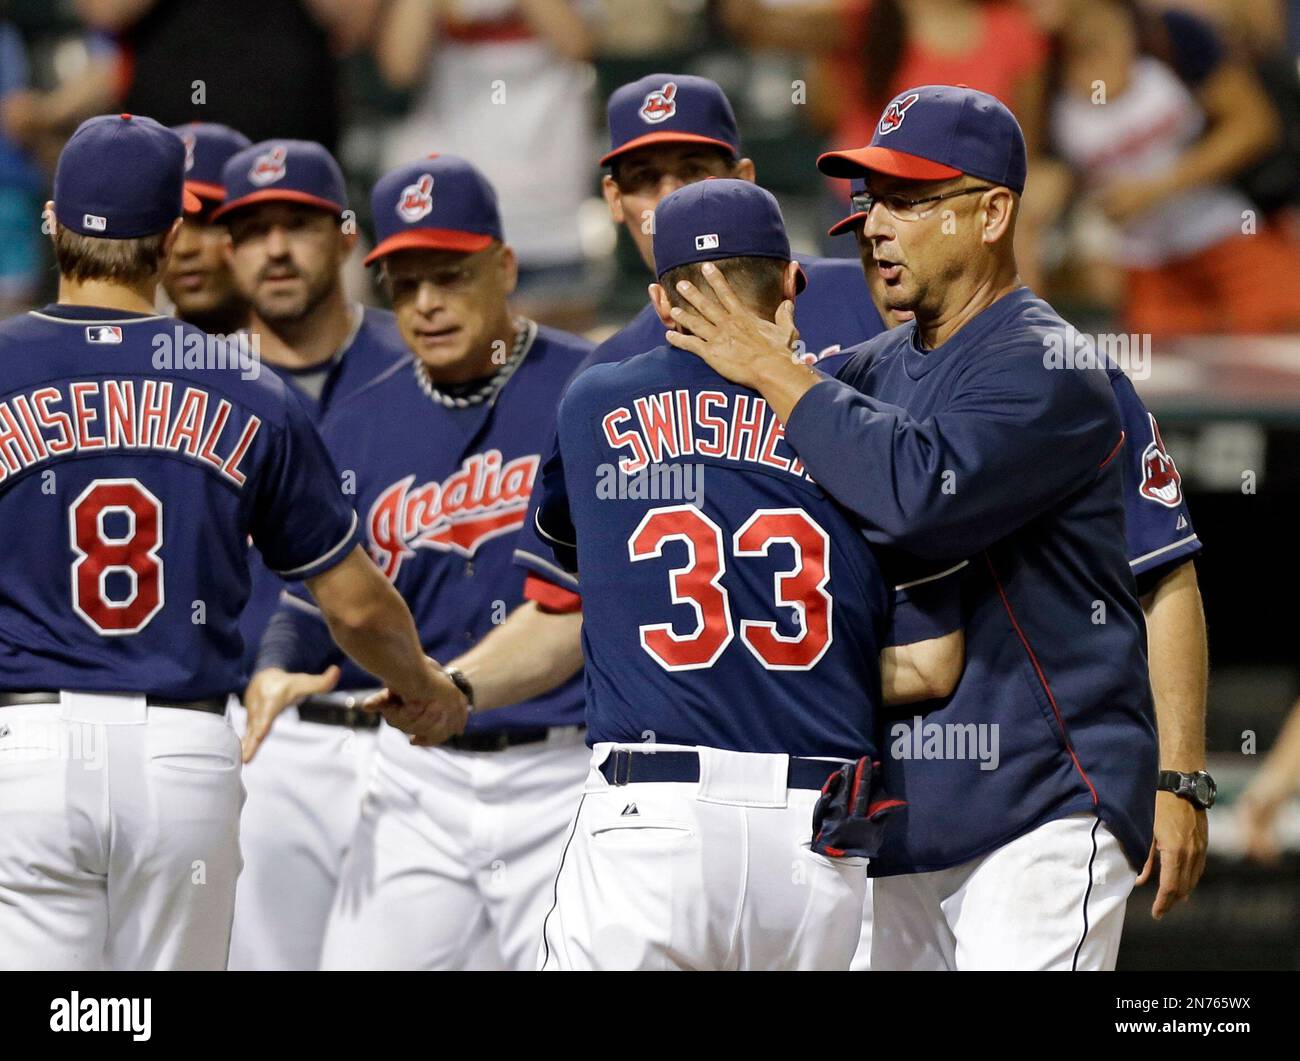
(122, 414)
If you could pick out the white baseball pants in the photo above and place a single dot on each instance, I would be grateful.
(454, 858)
(713, 874)
(1053, 898)
(120, 840)
(305, 787)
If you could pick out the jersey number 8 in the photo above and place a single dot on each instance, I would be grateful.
(99, 554)
(699, 584)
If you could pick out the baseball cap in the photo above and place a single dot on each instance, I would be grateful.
(438, 203)
(207, 147)
(670, 108)
(936, 132)
(121, 176)
(293, 171)
(719, 218)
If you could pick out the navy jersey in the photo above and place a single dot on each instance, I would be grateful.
(128, 494)
(978, 447)
(374, 345)
(727, 601)
(834, 310)
(441, 494)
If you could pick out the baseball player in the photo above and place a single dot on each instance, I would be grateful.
(666, 131)
(456, 848)
(137, 488)
(284, 207)
(197, 279)
(733, 648)
(1161, 546)
(957, 433)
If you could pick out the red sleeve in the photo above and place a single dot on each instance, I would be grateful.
(550, 597)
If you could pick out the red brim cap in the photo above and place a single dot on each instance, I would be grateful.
(667, 136)
(436, 239)
(203, 190)
(847, 224)
(272, 195)
(190, 203)
(883, 160)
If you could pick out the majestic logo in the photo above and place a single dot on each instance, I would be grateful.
(103, 333)
(1160, 479)
(416, 200)
(660, 105)
(484, 499)
(895, 112)
(267, 168)
(189, 140)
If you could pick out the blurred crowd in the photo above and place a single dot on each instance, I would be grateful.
(1164, 134)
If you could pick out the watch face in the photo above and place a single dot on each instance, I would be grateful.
(1205, 790)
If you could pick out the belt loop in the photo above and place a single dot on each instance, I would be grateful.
(624, 756)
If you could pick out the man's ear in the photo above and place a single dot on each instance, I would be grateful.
(1000, 207)
(508, 263)
(169, 240)
(659, 299)
(790, 281)
(613, 198)
(744, 170)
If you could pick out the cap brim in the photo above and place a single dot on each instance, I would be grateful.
(800, 279)
(203, 190)
(885, 160)
(190, 203)
(273, 195)
(667, 136)
(437, 239)
(846, 224)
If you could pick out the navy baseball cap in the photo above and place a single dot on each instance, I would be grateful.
(438, 203)
(292, 171)
(719, 218)
(936, 132)
(667, 109)
(207, 147)
(121, 176)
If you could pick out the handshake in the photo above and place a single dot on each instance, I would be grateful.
(431, 709)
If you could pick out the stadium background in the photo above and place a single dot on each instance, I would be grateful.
(1229, 404)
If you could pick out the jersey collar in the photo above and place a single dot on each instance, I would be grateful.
(100, 314)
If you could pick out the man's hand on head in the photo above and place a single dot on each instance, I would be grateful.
(740, 344)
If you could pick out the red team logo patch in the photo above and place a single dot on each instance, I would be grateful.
(1160, 479)
(416, 200)
(661, 105)
(267, 168)
(895, 112)
(484, 499)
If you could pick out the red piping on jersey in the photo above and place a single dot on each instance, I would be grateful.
(1065, 734)
(550, 597)
(1118, 446)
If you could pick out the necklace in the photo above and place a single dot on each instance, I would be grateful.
(525, 333)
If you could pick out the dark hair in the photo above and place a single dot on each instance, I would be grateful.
(756, 280)
(122, 261)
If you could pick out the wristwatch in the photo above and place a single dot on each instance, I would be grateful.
(1198, 789)
(462, 683)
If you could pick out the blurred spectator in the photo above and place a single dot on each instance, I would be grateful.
(1156, 118)
(505, 84)
(1274, 784)
(265, 67)
(870, 50)
(19, 182)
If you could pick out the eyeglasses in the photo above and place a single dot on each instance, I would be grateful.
(904, 208)
(452, 278)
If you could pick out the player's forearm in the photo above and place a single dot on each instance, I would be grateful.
(370, 622)
(1176, 647)
(924, 670)
(529, 654)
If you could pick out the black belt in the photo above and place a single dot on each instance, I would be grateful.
(215, 705)
(498, 740)
(623, 767)
(338, 712)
